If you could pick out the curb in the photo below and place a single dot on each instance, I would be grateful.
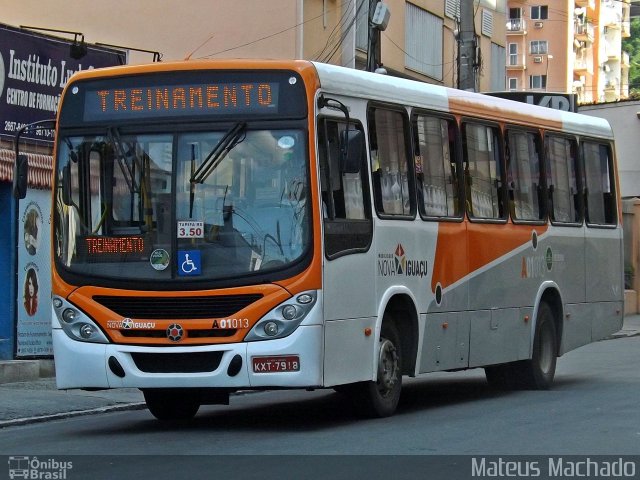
(624, 334)
(74, 413)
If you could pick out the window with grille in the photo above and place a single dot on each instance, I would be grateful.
(423, 41)
(538, 81)
(539, 47)
(539, 12)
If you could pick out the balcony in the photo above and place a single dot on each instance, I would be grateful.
(516, 26)
(625, 60)
(516, 61)
(582, 64)
(588, 7)
(584, 31)
(611, 92)
(613, 54)
(626, 21)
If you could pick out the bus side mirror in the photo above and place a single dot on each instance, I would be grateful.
(20, 176)
(351, 148)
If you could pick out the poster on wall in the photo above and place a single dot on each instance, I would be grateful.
(34, 69)
(34, 278)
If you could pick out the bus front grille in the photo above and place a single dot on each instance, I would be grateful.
(191, 333)
(196, 362)
(177, 308)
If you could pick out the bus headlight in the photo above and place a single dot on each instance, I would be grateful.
(76, 324)
(284, 319)
(69, 315)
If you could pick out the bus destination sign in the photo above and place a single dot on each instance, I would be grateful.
(128, 103)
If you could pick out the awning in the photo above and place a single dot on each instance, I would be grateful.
(40, 168)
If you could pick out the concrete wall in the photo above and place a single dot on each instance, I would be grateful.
(631, 221)
(173, 27)
(623, 117)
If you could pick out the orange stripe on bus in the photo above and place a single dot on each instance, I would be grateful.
(464, 248)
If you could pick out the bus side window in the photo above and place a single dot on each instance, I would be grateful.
(435, 164)
(346, 206)
(483, 171)
(600, 203)
(523, 175)
(562, 180)
(390, 162)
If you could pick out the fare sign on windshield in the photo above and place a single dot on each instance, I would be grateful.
(180, 100)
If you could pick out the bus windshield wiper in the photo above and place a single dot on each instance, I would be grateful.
(121, 154)
(227, 143)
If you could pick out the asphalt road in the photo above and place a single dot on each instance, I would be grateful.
(592, 410)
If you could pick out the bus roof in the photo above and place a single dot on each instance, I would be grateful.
(383, 88)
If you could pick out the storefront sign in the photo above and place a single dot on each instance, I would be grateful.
(34, 69)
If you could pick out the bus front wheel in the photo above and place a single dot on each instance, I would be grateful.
(380, 398)
(172, 404)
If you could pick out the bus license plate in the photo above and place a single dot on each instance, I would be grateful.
(288, 363)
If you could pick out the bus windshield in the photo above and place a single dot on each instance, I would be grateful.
(200, 205)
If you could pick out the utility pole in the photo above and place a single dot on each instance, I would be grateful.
(467, 48)
(379, 15)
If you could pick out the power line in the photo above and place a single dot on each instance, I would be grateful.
(330, 38)
(268, 36)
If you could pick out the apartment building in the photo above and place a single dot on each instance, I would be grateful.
(569, 46)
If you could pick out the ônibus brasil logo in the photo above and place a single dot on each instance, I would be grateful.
(398, 263)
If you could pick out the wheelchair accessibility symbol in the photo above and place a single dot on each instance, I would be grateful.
(189, 263)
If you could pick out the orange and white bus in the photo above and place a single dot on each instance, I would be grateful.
(231, 225)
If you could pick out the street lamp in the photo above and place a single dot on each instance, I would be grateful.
(546, 75)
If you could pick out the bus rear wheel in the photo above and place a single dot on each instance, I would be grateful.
(538, 372)
(380, 398)
(172, 404)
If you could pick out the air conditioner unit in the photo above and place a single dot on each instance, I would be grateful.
(538, 24)
(537, 59)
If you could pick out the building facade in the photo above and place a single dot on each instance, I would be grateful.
(419, 42)
(569, 46)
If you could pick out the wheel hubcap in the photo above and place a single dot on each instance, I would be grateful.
(387, 367)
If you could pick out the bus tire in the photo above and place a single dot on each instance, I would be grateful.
(380, 398)
(538, 372)
(167, 404)
(499, 377)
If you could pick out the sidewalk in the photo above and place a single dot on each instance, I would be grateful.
(36, 400)
(630, 327)
(39, 400)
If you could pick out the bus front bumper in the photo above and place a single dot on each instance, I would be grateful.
(94, 365)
